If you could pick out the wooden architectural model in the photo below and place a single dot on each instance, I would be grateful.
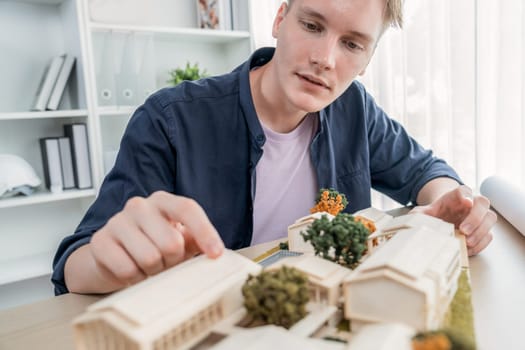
(419, 268)
(387, 226)
(325, 277)
(272, 337)
(404, 283)
(383, 336)
(172, 310)
(296, 242)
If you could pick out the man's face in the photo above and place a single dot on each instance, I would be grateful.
(322, 45)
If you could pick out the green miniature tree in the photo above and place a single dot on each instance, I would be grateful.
(342, 240)
(190, 72)
(276, 297)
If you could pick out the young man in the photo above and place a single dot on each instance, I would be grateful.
(233, 160)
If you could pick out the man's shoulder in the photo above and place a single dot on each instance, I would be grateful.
(210, 89)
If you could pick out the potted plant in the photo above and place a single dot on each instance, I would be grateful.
(190, 72)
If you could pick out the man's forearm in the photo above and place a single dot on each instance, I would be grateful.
(83, 276)
(434, 189)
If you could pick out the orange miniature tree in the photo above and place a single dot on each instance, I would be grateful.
(330, 201)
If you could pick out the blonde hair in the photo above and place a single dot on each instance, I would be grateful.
(393, 13)
(393, 16)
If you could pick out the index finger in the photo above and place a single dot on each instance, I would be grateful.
(188, 212)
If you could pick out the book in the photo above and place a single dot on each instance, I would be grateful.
(61, 83)
(47, 83)
(66, 162)
(51, 163)
(240, 14)
(225, 14)
(77, 134)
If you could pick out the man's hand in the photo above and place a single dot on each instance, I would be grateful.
(148, 236)
(471, 214)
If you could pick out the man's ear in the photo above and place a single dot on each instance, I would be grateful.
(283, 9)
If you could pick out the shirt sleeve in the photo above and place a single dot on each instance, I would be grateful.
(145, 164)
(399, 165)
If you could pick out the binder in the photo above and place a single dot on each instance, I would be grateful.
(47, 83)
(126, 78)
(61, 82)
(51, 163)
(147, 74)
(66, 162)
(105, 72)
(77, 134)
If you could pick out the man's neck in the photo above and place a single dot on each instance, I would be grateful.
(271, 108)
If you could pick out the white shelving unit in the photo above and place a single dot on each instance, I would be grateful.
(34, 31)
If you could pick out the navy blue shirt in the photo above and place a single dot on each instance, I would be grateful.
(203, 140)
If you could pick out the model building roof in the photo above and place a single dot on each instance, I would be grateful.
(322, 271)
(417, 220)
(272, 337)
(410, 252)
(380, 218)
(309, 218)
(178, 292)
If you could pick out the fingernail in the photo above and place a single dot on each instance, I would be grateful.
(216, 248)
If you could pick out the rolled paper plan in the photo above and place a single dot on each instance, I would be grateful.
(508, 200)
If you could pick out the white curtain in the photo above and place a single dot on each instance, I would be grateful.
(263, 14)
(454, 76)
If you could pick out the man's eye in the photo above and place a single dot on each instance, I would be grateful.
(311, 27)
(352, 45)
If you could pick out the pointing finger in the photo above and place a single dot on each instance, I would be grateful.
(197, 225)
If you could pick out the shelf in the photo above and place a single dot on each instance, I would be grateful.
(45, 197)
(26, 267)
(184, 34)
(74, 113)
(116, 111)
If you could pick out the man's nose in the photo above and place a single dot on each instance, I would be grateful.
(324, 53)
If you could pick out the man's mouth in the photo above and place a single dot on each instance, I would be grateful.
(314, 80)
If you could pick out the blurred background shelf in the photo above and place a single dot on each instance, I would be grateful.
(45, 197)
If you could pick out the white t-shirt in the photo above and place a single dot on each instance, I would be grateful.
(286, 184)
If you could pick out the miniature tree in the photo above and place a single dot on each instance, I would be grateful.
(330, 201)
(341, 240)
(276, 297)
